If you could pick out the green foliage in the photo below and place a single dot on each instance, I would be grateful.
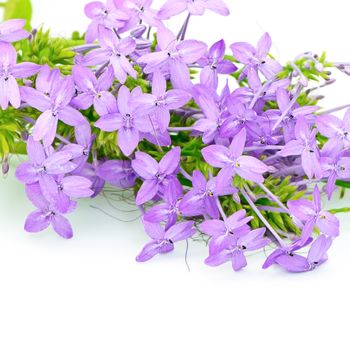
(340, 210)
(343, 184)
(44, 49)
(18, 9)
(10, 132)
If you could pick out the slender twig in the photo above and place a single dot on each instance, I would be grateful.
(262, 218)
(273, 197)
(289, 107)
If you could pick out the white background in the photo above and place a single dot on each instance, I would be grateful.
(89, 293)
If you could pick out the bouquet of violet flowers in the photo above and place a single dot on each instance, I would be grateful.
(133, 104)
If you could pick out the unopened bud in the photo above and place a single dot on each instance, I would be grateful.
(138, 31)
(5, 165)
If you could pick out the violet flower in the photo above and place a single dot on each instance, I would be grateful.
(210, 126)
(305, 146)
(156, 176)
(140, 11)
(46, 79)
(9, 71)
(310, 214)
(41, 165)
(54, 107)
(194, 7)
(118, 173)
(231, 161)
(241, 117)
(213, 63)
(47, 214)
(335, 166)
(234, 251)
(160, 102)
(174, 56)
(292, 113)
(12, 30)
(125, 121)
(168, 211)
(113, 51)
(93, 91)
(336, 129)
(106, 15)
(221, 232)
(163, 240)
(256, 59)
(317, 255)
(202, 199)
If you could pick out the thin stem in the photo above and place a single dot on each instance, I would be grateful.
(262, 89)
(273, 197)
(262, 218)
(269, 208)
(336, 109)
(182, 33)
(179, 129)
(221, 210)
(303, 79)
(289, 107)
(185, 174)
(263, 148)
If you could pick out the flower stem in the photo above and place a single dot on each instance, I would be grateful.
(221, 210)
(273, 197)
(336, 109)
(179, 129)
(289, 107)
(263, 148)
(185, 174)
(262, 89)
(183, 30)
(262, 218)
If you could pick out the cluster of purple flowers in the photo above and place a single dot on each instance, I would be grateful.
(247, 134)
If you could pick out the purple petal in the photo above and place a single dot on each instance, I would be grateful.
(35, 98)
(147, 192)
(216, 155)
(36, 222)
(149, 251)
(77, 186)
(62, 226)
(172, 8)
(128, 139)
(45, 128)
(318, 251)
(191, 50)
(238, 260)
(218, 259)
(243, 52)
(213, 227)
(144, 165)
(170, 162)
(293, 263)
(26, 173)
(264, 45)
(25, 70)
(217, 6)
(110, 122)
(238, 143)
(71, 116)
(180, 231)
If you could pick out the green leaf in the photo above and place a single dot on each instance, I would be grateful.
(19, 9)
(340, 210)
(341, 183)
